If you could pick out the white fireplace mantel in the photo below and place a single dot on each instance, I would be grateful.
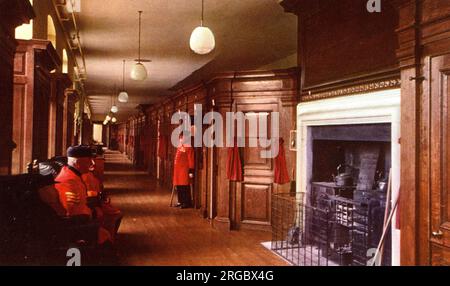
(370, 108)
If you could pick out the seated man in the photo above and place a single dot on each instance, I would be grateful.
(72, 190)
(108, 216)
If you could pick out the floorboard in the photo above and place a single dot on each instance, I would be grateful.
(152, 233)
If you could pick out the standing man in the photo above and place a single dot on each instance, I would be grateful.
(183, 171)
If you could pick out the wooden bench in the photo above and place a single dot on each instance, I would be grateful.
(32, 233)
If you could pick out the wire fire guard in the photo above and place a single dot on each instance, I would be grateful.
(325, 234)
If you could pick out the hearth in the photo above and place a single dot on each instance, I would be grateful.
(346, 149)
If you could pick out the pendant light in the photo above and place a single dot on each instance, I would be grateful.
(113, 120)
(123, 95)
(139, 72)
(114, 108)
(202, 39)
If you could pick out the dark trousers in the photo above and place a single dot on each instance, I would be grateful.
(184, 195)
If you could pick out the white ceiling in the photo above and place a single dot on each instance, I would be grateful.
(249, 34)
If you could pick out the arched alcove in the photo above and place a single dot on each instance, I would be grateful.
(51, 30)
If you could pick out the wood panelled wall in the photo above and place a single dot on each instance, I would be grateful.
(424, 54)
(34, 59)
(344, 50)
(232, 205)
(337, 31)
(38, 115)
(13, 13)
(59, 84)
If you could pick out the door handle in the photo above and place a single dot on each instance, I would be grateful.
(437, 234)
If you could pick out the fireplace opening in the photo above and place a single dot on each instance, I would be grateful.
(349, 146)
(349, 177)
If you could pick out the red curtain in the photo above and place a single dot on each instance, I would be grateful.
(234, 165)
(281, 173)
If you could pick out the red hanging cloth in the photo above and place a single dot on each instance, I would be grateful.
(234, 165)
(281, 175)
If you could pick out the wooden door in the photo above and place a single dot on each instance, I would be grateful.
(253, 195)
(439, 85)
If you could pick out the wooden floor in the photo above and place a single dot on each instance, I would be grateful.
(152, 233)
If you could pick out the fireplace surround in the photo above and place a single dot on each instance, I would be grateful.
(381, 107)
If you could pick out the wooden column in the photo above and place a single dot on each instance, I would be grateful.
(408, 54)
(13, 13)
(34, 60)
(59, 84)
(223, 187)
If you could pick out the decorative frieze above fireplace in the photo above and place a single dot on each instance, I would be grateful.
(381, 107)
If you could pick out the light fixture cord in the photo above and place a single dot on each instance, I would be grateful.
(203, 9)
(139, 52)
(123, 76)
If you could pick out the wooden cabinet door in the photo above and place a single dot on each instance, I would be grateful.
(439, 92)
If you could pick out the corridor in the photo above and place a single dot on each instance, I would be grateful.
(152, 233)
(275, 107)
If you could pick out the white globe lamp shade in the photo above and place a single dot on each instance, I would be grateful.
(113, 120)
(123, 96)
(138, 72)
(105, 122)
(114, 109)
(202, 40)
(108, 118)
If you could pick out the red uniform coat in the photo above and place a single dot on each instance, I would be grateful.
(107, 215)
(68, 181)
(183, 161)
(92, 184)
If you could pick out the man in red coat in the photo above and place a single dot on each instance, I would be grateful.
(183, 171)
(72, 189)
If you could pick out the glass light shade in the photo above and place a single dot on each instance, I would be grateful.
(138, 72)
(123, 96)
(105, 122)
(202, 40)
(113, 120)
(114, 109)
(108, 118)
